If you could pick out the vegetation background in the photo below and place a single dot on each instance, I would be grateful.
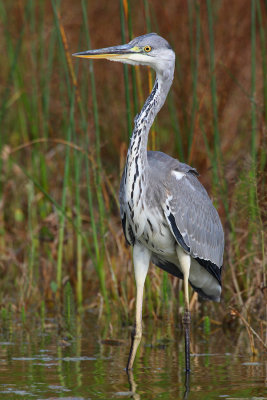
(65, 127)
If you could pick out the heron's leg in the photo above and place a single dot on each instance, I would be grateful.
(185, 262)
(141, 259)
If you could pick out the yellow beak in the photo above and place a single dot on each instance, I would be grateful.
(115, 52)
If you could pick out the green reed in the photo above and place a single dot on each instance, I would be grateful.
(175, 124)
(34, 242)
(69, 310)
(13, 53)
(206, 325)
(38, 163)
(23, 315)
(262, 31)
(99, 249)
(63, 205)
(79, 260)
(217, 150)
(253, 111)
(194, 22)
(42, 315)
(97, 170)
(98, 262)
(125, 71)
(133, 69)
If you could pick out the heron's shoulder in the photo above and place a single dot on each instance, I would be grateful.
(164, 163)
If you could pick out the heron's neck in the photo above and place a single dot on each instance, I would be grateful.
(144, 120)
(137, 165)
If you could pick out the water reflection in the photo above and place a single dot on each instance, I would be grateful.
(187, 385)
(90, 364)
(133, 386)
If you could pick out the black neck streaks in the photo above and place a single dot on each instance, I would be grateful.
(135, 177)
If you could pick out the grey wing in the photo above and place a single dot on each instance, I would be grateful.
(193, 220)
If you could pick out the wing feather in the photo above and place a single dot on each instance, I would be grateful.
(192, 217)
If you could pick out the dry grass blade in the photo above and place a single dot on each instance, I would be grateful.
(68, 56)
(249, 328)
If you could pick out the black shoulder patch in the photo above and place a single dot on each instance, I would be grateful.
(212, 268)
(123, 222)
(132, 237)
(177, 233)
(193, 171)
(130, 231)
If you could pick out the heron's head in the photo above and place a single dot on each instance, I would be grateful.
(151, 50)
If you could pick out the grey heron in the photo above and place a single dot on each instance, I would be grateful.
(167, 215)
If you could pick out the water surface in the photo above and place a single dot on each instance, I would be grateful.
(91, 364)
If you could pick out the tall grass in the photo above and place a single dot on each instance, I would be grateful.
(61, 149)
(194, 21)
(123, 17)
(253, 109)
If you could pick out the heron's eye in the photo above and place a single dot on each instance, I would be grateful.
(147, 49)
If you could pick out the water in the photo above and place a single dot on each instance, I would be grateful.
(38, 365)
